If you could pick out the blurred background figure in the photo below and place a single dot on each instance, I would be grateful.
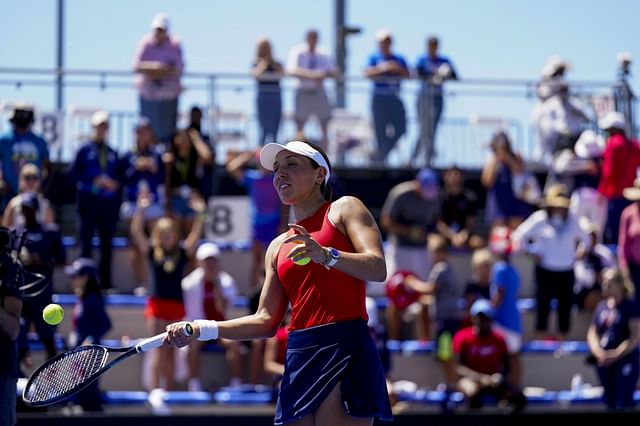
(18, 147)
(90, 319)
(184, 164)
(629, 237)
(620, 164)
(29, 185)
(311, 66)
(207, 174)
(623, 93)
(387, 69)
(479, 283)
(159, 63)
(208, 292)
(482, 361)
(588, 268)
(434, 69)
(553, 236)
(267, 71)
(142, 175)
(96, 172)
(613, 339)
(499, 173)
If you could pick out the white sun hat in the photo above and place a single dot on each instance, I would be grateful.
(270, 150)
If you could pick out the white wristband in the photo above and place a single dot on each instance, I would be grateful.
(208, 329)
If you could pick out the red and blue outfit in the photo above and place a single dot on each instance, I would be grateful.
(329, 341)
(165, 301)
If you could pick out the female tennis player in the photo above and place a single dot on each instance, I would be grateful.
(333, 374)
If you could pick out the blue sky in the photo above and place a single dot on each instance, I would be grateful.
(484, 38)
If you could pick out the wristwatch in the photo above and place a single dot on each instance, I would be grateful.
(333, 256)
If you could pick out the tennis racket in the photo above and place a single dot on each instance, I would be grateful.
(69, 372)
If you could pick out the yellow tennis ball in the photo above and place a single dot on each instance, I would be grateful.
(301, 260)
(53, 314)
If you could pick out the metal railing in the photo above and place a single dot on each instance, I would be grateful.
(482, 106)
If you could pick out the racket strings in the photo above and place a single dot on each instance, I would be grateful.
(66, 374)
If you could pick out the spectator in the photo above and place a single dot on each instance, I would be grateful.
(10, 308)
(613, 339)
(408, 215)
(29, 183)
(311, 65)
(459, 210)
(503, 207)
(560, 121)
(267, 71)
(41, 251)
(586, 168)
(208, 291)
(208, 178)
(621, 160)
(158, 61)
(18, 147)
(96, 171)
(588, 268)
(442, 285)
(629, 237)
(142, 174)
(482, 361)
(386, 69)
(268, 214)
(168, 258)
(90, 319)
(553, 236)
(183, 163)
(434, 70)
(479, 284)
(505, 286)
(623, 93)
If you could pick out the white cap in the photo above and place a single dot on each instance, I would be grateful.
(613, 120)
(100, 117)
(160, 21)
(383, 34)
(623, 57)
(207, 250)
(552, 65)
(589, 145)
(270, 150)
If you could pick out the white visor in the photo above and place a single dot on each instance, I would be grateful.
(270, 150)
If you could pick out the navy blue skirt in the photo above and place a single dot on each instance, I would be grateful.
(320, 357)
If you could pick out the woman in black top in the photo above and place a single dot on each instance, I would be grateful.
(267, 72)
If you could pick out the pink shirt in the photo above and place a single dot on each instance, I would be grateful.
(629, 236)
(169, 52)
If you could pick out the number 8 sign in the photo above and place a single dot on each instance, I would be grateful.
(228, 218)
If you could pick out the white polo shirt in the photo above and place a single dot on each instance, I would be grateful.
(300, 57)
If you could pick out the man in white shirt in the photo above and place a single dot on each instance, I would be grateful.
(207, 292)
(311, 65)
(554, 236)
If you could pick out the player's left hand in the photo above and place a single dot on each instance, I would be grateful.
(306, 246)
(176, 335)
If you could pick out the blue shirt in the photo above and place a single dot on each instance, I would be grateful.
(505, 276)
(265, 202)
(134, 179)
(93, 160)
(612, 324)
(16, 151)
(427, 67)
(387, 84)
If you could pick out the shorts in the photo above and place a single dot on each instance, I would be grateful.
(446, 329)
(512, 338)
(164, 309)
(318, 358)
(180, 206)
(311, 102)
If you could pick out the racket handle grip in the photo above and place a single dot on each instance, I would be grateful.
(151, 343)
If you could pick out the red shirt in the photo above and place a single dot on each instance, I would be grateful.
(484, 354)
(211, 311)
(319, 295)
(621, 160)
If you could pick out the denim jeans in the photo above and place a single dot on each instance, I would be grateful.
(162, 115)
(390, 123)
(269, 106)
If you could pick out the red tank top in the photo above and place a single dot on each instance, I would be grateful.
(319, 295)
